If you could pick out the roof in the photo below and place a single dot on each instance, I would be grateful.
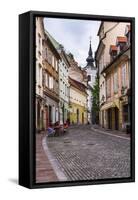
(57, 46)
(80, 86)
(54, 42)
(121, 39)
(116, 59)
(113, 48)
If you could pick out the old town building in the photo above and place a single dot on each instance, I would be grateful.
(113, 62)
(63, 80)
(91, 73)
(47, 111)
(78, 93)
(39, 68)
(75, 71)
(64, 86)
(78, 102)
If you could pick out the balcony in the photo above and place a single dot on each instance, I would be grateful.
(51, 93)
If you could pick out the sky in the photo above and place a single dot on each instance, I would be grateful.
(74, 35)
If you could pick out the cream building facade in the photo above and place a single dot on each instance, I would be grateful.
(108, 33)
(47, 79)
(78, 102)
(39, 69)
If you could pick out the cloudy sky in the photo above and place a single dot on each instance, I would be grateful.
(74, 35)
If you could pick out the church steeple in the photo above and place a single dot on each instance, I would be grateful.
(90, 60)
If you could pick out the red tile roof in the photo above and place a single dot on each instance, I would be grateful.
(121, 39)
(113, 48)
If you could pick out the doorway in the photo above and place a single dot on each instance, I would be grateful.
(47, 119)
(82, 118)
(77, 115)
(109, 118)
(116, 118)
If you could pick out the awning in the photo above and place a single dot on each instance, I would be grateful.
(111, 104)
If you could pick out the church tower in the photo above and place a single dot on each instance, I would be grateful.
(90, 67)
(91, 74)
(90, 60)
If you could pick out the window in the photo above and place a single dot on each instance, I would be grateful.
(45, 56)
(57, 88)
(101, 62)
(39, 42)
(43, 78)
(108, 87)
(125, 113)
(115, 82)
(51, 82)
(39, 74)
(56, 65)
(89, 77)
(46, 80)
(65, 89)
(124, 75)
(49, 57)
(53, 61)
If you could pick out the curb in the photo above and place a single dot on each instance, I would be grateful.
(57, 169)
(103, 132)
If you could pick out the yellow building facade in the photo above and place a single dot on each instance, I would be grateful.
(77, 103)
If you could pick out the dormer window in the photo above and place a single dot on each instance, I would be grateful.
(113, 51)
(121, 43)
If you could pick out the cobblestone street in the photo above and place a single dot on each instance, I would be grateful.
(84, 154)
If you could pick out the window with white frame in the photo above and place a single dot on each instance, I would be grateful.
(51, 82)
(108, 87)
(56, 65)
(46, 79)
(124, 73)
(115, 81)
(53, 61)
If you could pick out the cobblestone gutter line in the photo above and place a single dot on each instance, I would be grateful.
(57, 169)
(103, 132)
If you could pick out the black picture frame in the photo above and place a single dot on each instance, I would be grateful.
(27, 98)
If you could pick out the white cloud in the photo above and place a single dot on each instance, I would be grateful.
(74, 35)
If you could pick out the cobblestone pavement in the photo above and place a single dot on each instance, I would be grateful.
(84, 154)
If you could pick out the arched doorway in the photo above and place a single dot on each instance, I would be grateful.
(42, 120)
(116, 110)
(109, 114)
(77, 115)
(82, 118)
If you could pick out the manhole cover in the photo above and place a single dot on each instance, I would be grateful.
(90, 144)
(67, 141)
